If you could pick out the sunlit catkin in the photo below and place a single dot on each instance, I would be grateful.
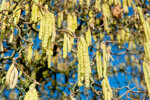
(80, 2)
(60, 18)
(141, 14)
(65, 46)
(98, 5)
(107, 91)
(86, 62)
(17, 15)
(88, 36)
(88, 2)
(47, 32)
(32, 94)
(81, 70)
(125, 6)
(34, 13)
(129, 3)
(99, 64)
(103, 46)
(146, 71)
(29, 54)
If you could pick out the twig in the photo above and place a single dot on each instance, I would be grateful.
(27, 74)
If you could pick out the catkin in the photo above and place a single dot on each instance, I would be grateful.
(80, 64)
(99, 64)
(103, 46)
(29, 54)
(71, 22)
(107, 91)
(80, 2)
(88, 2)
(48, 34)
(141, 14)
(125, 6)
(83, 62)
(12, 76)
(146, 71)
(86, 62)
(34, 13)
(129, 3)
(88, 36)
(32, 94)
(17, 15)
(60, 18)
(98, 5)
(65, 46)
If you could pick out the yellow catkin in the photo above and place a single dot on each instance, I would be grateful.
(65, 46)
(98, 5)
(107, 91)
(69, 22)
(34, 13)
(49, 61)
(2, 5)
(117, 2)
(104, 89)
(9, 73)
(32, 94)
(106, 10)
(60, 18)
(69, 44)
(88, 2)
(86, 62)
(88, 36)
(99, 64)
(129, 3)
(17, 15)
(80, 64)
(29, 55)
(80, 2)
(146, 76)
(74, 24)
(141, 14)
(42, 27)
(103, 46)
(125, 6)
(47, 32)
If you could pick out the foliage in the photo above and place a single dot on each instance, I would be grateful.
(74, 49)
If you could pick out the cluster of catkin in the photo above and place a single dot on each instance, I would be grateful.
(68, 38)
(12, 76)
(107, 10)
(72, 22)
(32, 94)
(84, 70)
(146, 68)
(47, 34)
(102, 71)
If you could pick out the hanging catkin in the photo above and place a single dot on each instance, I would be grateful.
(107, 91)
(29, 54)
(80, 64)
(32, 94)
(65, 46)
(83, 62)
(125, 6)
(99, 64)
(98, 5)
(48, 34)
(103, 46)
(34, 13)
(12, 76)
(146, 70)
(60, 18)
(88, 36)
